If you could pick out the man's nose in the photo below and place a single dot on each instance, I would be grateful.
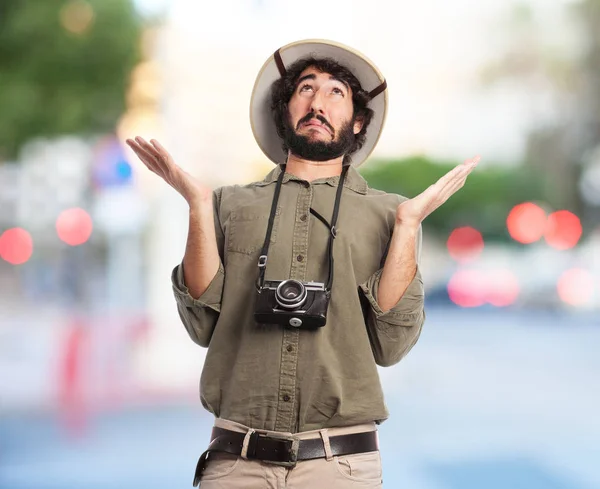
(317, 105)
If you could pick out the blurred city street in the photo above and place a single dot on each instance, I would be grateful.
(486, 399)
(98, 376)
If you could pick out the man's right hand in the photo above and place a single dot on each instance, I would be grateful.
(159, 161)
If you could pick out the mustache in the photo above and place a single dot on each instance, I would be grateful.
(319, 117)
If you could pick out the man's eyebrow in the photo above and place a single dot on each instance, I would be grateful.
(312, 76)
(343, 82)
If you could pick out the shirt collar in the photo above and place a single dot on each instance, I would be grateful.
(353, 181)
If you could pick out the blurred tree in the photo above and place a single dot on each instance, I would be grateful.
(64, 67)
(484, 201)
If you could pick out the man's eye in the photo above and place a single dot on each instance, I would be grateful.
(339, 91)
(304, 87)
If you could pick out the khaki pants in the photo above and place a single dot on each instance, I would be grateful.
(363, 470)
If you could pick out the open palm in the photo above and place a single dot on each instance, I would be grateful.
(158, 160)
(413, 211)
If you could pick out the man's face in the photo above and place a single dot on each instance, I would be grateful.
(320, 125)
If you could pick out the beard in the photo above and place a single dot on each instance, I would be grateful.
(308, 149)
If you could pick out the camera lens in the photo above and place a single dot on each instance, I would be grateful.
(291, 291)
(290, 294)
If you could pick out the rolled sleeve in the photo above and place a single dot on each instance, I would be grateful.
(199, 316)
(393, 333)
(406, 310)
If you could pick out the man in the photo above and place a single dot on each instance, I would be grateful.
(301, 284)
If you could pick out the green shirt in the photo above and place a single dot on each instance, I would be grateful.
(289, 379)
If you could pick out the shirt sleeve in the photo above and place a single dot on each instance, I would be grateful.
(200, 316)
(393, 333)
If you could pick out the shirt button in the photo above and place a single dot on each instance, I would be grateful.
(290, 348)
(303, 217)
(286, 398)
(300, 257)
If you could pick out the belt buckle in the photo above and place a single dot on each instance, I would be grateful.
(293, 448)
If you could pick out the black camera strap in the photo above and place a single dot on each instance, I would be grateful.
(262, 260)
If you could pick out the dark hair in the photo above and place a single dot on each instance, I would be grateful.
(283, 89)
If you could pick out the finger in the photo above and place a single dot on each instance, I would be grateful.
(456, 184)
(442, 181)
(156, 160)
(462, 171)
(146, 158)
(163, 162)
(159, 147)
(460, 178)
(166, 159)
(147, 146)
(141, 152)
(471, 163)
(475, 160)
(457, 173)
(442, 191)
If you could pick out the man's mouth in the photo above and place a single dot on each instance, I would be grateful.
(315, 123)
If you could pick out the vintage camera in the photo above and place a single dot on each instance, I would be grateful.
(292, 303)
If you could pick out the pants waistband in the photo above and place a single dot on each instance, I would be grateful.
(303, 435)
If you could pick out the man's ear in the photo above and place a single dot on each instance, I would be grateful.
(358, 124)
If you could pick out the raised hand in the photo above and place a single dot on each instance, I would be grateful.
(158, 160)
(413, 211)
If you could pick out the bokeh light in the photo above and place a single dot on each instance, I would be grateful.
(576, 287)
(563, 230)
(474, 288)
(16, 246)
(77, 16)
(466, 288)
(111, 168)
(502, 287)
(526, 222)
(465, 244)
(74, 226)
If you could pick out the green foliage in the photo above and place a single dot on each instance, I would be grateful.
(54, 81)
(484, 202)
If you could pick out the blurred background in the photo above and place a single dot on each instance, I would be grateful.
(98, 378)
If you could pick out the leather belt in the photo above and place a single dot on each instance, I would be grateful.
(284, 450)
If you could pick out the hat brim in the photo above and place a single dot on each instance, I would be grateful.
(261, 119)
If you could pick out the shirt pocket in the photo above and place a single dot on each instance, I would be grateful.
(248, 228)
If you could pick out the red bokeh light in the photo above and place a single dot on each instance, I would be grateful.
(466, 288)
(465, 244)
(502, 288)
(16, 246)
(474, 288)
(576, 286)
(74, 226)
(526, 222)
(563, 230)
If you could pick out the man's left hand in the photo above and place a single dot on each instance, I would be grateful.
(412, 212)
